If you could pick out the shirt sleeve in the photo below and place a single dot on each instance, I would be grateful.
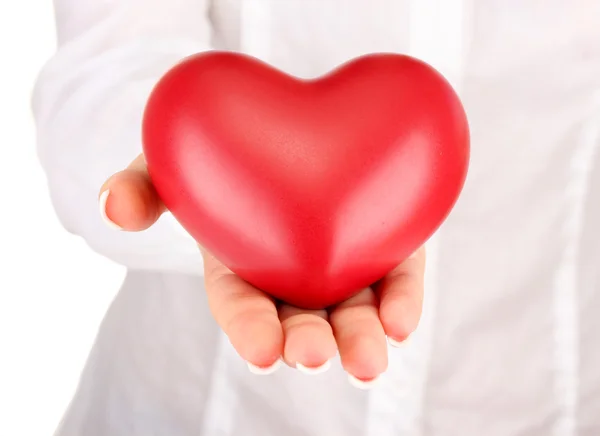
(88, 103)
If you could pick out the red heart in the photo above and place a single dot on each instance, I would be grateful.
(309, 189)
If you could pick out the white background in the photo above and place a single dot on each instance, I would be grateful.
(54, 290)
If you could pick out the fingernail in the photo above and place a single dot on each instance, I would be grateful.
(264, 370)
(313, 370)
(397, 344)
(362, 384)
(102, 204)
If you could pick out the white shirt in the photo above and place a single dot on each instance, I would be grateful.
(508, 344)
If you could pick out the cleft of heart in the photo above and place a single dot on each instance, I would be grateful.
(310, 190)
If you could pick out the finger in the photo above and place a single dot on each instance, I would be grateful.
(128, 200)
(247, 316)
(309, 342)
(401, 298)
(360, 338)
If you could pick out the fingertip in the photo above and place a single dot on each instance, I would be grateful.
(309, 341)
(360, 336)
(310, 347)
(102, 206)
(247, 316)
(364, 358)
(259, 343)
(128, 201)
(400, 317)
(401, 301)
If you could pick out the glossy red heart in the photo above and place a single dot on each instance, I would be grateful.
(309, 189)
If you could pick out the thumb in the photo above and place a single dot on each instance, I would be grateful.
(128, 200)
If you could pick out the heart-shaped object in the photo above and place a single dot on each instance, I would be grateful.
(310, 190)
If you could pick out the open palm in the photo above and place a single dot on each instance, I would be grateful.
(265, 332)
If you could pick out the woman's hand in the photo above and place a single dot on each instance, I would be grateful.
(263, 332)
